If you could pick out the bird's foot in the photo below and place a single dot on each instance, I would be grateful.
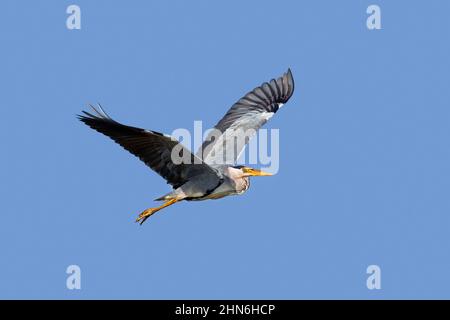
(146, 214)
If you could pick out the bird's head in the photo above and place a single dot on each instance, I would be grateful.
(251, 172)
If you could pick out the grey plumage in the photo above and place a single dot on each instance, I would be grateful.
(251, 112)
(210, 173)
(152, 147)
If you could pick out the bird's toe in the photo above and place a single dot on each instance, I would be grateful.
(144, 215)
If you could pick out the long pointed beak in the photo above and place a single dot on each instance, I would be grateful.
(256, 172)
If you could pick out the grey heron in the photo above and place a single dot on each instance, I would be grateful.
(212, 172)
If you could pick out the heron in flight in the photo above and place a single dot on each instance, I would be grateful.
(212, 172)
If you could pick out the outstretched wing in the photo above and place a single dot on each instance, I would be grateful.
(229, 137)
(153, 148)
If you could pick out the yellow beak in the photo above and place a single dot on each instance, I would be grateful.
(255, 172)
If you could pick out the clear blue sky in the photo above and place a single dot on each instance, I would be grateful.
(365, 157)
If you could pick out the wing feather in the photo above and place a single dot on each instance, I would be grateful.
(153, 148)
(249, 113)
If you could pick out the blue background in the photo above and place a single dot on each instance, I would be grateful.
(365, 158)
